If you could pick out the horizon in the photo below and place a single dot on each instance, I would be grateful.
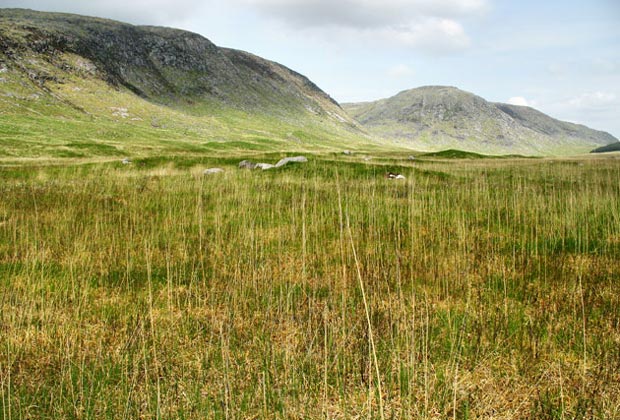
(362, 51)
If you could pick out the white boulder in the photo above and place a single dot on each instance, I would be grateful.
(295, 159)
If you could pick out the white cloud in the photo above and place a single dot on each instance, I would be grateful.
(362, 13)
(593, 100)
(438, 35)
(518, 100)
(400, 71)
(429, 25)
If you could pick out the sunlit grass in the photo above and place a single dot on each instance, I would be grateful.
(486, 289)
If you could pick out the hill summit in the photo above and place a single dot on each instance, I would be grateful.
(443, 117)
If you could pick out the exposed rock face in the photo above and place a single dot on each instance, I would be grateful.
(440, 117)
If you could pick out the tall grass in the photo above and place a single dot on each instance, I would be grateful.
(485, 289)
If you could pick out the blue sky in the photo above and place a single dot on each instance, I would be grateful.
(562, 57)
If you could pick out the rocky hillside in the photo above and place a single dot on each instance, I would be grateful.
(84, 69)
(440, 117)
(160, 64)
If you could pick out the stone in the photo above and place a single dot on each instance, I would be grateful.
(212, 171)
(126, 161)
(392, 175)
(287, 160)
(347, 152)
(246, 164)
(264, 166)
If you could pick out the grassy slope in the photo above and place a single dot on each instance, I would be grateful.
(76, 118)
(613, 147)
(144, 291)
(54, 103)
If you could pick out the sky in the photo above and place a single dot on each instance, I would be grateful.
(559, 56)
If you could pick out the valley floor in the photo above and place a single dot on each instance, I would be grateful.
(481, 288)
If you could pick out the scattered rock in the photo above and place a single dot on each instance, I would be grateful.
(119, 112)
(295, 159)
(3, 70)
(347, 152)
(312, 110)
(212, 171)
(264, 166)
(246, 164)
(126, 161)
(392, 175)
(87, 66)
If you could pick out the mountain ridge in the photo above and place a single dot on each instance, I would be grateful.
(88, 82)
(445, 117)
(88, 77)
(158, 63)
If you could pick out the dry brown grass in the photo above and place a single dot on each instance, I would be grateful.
(490, 291)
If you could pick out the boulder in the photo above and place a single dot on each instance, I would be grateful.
(411, 157)
(212, 171)
(295, 159)
(347, 152)
(264, 166)
(126, 161)
(392, 175)
(246, 164)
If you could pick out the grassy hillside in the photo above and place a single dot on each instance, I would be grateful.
(74, 86)
(613, 147)
(487, 288)
(434, 118)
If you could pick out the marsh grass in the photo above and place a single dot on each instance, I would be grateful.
(480, 289)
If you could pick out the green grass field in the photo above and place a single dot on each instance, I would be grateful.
(476, 288)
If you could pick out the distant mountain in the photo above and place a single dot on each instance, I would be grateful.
(613, 147)
(440, 117)
(82, 68)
